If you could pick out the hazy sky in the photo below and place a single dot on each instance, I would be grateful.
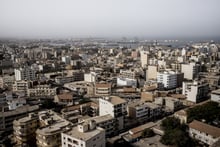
(109, 18)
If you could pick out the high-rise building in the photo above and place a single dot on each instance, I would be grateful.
(25, 73)
(190, 70)
(144, 59)
(151, 73)
(167, 79)
(195, 91)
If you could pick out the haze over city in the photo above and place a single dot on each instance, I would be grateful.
(110, 18)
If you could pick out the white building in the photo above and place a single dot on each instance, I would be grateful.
(190, 70)
(84, 135)
(115, 106)
(126, 82)
(90, 77)
(168, 79)
(195, 91)
(203, 132)
(144, 59)
(66, 59)
(215, 96)
(25, 73)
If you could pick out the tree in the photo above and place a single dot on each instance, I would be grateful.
(147, 133)
(208, 111)
(175, 133)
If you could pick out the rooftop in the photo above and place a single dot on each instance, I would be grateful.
(84, 135)
(103, 85)
(115, 100)
(203, 127)
(99, 119)
(216, 92)
(68, 96)
(19, 110)
(141, 128)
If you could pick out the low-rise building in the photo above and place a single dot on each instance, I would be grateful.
(138, 110)
(116, 107)
(181, 115)
(41, 90)
(171, 103)
(64, 98)
(215, 96)
(203, 132)
(106, 122)
(85, 134)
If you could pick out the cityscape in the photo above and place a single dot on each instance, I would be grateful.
(130, 76)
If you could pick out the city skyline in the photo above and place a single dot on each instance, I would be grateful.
(143, 19)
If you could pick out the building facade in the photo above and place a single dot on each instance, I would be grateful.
(116, 107)
(203, 132)
(86, 134)
(195, 91)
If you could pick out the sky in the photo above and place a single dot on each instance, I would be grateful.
(109, 18)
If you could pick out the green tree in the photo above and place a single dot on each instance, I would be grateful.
(147, 133)
(175, 133)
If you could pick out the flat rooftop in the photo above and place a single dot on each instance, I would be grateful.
(99, 119)
(216, 92)
(84, 135)
(115, 100)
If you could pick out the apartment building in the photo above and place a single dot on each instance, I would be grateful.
(21, 86)
(25, 73)
(195, 91)
(24, 129)
(7, 80)
(190, 70)
(41, 90)
(106, 122)
(86, 134)
(144, 58)
(167, 79)
(90, 77)
(138, 110)
(151, 72)
(52, 125)
(203, 132)
(170, 103)
(116, 107)
(7, 117)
